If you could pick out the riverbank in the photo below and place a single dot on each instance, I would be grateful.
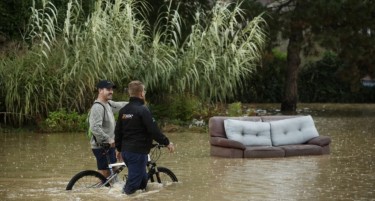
(77, 124)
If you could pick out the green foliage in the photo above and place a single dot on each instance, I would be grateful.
(321, 82)
(176, 107)
(186, 9)
(279, 56)
(179, 112)
(344, 27)
(267, 84)
(184, 107)
(15, 14)
(207, 110)
(349, 31)
(318, 82)
(235, 109)
(64, 63)
(63, 121)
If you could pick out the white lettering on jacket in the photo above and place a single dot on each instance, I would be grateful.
(127, 116)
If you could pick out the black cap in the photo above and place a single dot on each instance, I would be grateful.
(105, 84)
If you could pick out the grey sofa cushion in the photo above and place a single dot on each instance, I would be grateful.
(297, 130)
(216, 124)
(248, 133)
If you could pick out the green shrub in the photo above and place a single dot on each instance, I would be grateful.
(207, 110)
(235, 109)
(268, 83)
(180, 108)
(63, 121)
(318, 82)
(184, 107)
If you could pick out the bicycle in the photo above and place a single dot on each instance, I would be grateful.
(94, 179)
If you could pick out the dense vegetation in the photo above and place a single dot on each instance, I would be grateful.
(344, 27)
(189, 53)
(116, 42)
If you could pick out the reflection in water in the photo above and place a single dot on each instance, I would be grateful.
(38, 166)
(280, 179)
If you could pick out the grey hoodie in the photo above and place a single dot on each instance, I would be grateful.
(102, 122)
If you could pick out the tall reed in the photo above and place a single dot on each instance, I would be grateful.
(63, 64)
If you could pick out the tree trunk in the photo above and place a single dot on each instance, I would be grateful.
(289, 103)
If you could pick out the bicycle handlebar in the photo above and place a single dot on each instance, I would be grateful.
(158, 146)
(105, 146)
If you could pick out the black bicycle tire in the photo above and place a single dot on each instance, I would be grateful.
(164, 170)
(83, 174)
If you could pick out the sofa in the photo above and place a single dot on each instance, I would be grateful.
(265, 137)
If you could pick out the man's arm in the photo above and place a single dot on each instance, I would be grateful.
(116, 106)
(152, 128)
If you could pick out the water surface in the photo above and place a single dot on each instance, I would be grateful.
(38, 166)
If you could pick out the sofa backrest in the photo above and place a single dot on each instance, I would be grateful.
(277, 117)
(293, 131)
(248, 133)
(216, 124)
(292, 128)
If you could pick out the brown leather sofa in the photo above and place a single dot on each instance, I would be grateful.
(221, 146)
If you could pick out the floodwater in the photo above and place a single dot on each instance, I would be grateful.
(39, 166)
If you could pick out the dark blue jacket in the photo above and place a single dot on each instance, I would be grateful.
(136, 129)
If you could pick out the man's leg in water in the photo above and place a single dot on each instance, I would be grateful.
(136, 171)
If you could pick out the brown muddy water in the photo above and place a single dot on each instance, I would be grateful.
(38, 166)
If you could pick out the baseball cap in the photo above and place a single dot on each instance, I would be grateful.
(105, 84)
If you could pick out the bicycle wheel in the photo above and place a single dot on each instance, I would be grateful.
(163, 176)
(86, 179)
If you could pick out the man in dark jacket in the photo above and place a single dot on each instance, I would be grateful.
(135, 130)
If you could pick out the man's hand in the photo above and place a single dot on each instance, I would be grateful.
(170, 147)
(105, 146)
(118, 156)
(112, 142)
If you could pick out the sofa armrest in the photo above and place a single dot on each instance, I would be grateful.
(224, 142)
(320, 140)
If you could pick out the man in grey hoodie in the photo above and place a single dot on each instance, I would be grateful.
(102, 125)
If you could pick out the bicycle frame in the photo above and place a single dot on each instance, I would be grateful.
(155, 173)
(151, 166)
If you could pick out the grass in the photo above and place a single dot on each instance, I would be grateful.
(64, 63)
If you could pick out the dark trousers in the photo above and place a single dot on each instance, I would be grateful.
(101, 158)
(137, 174)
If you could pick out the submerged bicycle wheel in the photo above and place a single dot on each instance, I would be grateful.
(86, 179)
(162, 176)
